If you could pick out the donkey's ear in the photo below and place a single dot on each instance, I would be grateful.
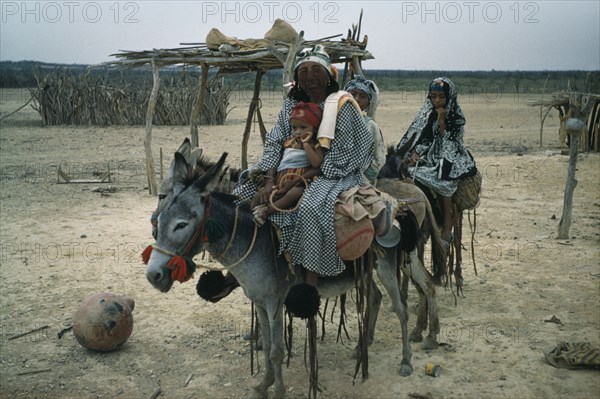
(185, 148)
(180, 169)
(177, 171)
(211, 179)
(195, 156)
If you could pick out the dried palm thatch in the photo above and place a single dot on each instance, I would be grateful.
(231, 59)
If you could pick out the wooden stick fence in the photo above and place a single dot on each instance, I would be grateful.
(63, 98)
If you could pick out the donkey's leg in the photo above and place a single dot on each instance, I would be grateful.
(277, 350)
(416, 335)
(260, 391)
(422, 279)
(386, 271)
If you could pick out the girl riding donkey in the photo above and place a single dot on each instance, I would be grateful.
(433, 151)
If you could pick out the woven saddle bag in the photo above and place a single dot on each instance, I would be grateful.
(466, 196)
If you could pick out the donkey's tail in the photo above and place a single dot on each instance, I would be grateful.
(439, 252)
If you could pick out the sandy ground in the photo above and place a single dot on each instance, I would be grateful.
(61, 242)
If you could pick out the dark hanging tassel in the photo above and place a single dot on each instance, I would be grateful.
(210, 284)
(214, 230)
(146, 254)
(303, 301)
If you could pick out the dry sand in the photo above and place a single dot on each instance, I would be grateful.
(61, 242)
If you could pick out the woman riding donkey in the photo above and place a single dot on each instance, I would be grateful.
(307, 235)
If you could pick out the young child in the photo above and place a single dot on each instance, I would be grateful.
(302, 155)
(366, 93)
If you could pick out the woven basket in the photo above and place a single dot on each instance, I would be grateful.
(353, 238)
(467, 194)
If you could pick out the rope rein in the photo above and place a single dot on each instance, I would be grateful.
(235, 224)
(250, 248)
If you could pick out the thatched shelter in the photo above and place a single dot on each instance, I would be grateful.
(573, 104)
(579, 115)
(227, 54)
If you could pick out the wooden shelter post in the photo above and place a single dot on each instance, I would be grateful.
(198, 106)
(574, 129)
(288, 66)
(152, 185)
(253, 105)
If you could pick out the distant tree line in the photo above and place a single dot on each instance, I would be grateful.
(468, 82)
(22, 75)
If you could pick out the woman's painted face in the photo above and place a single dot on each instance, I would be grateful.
(361, 98)
(312, 76)
(438, 99)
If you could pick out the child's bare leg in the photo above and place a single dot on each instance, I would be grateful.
(291, 198)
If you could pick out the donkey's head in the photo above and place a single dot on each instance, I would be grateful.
(181, 228)
(393, 165)
(183, 174)
(167, 187)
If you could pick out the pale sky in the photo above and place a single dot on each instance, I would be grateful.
(432, 35)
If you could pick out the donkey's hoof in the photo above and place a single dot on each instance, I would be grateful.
(279, 393)
(406, 370)
(429, 344)
(258, 393)
(415, 337)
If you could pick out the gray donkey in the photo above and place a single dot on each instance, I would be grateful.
(195, 165)
(247, 251)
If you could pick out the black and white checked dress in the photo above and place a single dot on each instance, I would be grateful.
(307, 234)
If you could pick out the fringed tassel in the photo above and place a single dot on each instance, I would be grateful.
(363, 276)
(146, 254)
(289, 336)
(182, 269)
(473, 227)
(312, 355)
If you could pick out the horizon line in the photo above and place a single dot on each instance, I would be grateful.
(366, 69)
